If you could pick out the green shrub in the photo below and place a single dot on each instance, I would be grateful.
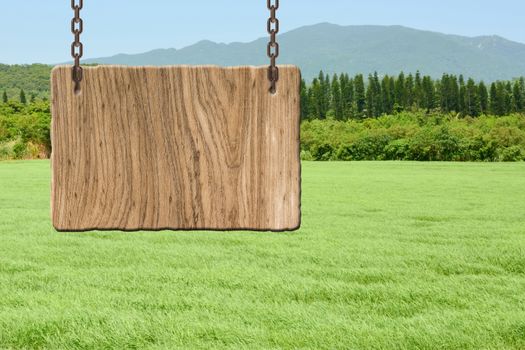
(323, 152)
(512, 154)
(478, 148)
(6, 152)
(20, 150)
(25, 130)
(397, 149)
(307, 156)
(369, 146)
(416, 136)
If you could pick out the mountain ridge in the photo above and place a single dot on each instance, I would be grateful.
(352, 49)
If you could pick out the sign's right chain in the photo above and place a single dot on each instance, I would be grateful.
(77, 49)
(273, 45)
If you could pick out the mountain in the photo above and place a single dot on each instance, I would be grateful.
(356, 49)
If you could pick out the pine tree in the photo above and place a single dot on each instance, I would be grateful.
(387, 95)
(454, 93)
(517, 97)
(462, 103)
(437, 93)
(508, 98)
(449, 93)
(494, 108)
(472, 100)
(522, 89)
(409, 91)
(360, 97)
(483, 97)
(377, 101)
(373, 96)
(347, 96)
(312, 105)
(427, 93)
(500, 98)
(370, 112)
(400, 93)
(317, 100)
(337, 100)
(304, 100)
(445, 93)
(323, 95)
(326, 93)
(23, 99)
(392, 88)
(4, 97)
(418, 91)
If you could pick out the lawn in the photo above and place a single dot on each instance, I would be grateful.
(390, 256)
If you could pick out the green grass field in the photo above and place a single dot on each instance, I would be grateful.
(390, 256)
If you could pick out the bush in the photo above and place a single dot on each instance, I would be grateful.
(416, 136)
(307, 156)
(6, 151)
(434, 144)
(398, 150)
(369, 146)
(512, 154)
(478, 148)
(324, 151)
(25, 130)
(20, 150)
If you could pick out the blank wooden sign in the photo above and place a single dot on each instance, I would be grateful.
(146, 148)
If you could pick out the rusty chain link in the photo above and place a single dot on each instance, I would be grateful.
(273, 45)
(77, 48)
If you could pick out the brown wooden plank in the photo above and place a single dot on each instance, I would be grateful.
(175, 148)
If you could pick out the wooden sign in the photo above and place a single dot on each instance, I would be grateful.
(146, 148)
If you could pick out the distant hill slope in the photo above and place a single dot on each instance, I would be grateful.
(33, 79)
(356, 49)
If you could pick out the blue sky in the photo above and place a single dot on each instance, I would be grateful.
(38, 30)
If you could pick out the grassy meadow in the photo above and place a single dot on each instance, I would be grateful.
(391, 255)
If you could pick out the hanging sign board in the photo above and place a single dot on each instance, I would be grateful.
(148, 148)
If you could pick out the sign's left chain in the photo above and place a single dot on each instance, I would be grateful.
(77, 49)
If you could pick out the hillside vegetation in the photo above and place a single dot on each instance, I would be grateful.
(32, 79)
(406, 117)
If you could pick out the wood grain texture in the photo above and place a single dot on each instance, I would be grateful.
(151, 148)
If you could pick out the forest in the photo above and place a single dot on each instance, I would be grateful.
(342, 97)
(403, 117)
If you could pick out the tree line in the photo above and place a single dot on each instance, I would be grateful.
(22, 97)
(342, 97)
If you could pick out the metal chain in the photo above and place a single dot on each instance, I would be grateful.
(273, 45)
(77, 48)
